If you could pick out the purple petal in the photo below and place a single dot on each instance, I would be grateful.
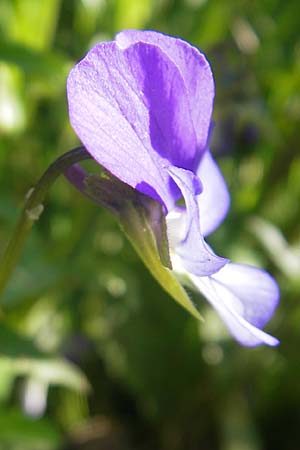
(245, 297)
(196, 256)
(214, 200)
(195, 71)
(130, 109)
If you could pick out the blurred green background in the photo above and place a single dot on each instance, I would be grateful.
(93, 354)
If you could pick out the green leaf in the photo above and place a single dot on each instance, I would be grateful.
(21, 432)
(132, 14)
(143, 222)
(49, 67)
(20, 357)
(28, 16)
(52, 371)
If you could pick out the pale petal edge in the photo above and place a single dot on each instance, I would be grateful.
(242, 330)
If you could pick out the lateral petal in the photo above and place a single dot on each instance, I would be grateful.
(245, 298)
(214, 199)
(197, 258)
(195, 71)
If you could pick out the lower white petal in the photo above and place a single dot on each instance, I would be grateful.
(242, 303)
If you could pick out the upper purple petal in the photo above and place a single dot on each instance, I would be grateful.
(214, 199)
(130, 109)
(196, 73)
(245, 297)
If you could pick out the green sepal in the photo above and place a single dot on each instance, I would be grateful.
(143, 222)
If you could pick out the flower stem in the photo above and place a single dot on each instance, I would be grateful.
(32, 210)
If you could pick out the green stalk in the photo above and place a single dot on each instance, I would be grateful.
(33, 209)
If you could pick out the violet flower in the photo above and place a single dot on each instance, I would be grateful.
(142, 107)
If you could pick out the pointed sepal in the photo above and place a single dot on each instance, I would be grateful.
(143, 222)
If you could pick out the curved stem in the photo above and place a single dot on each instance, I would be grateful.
(32, 210)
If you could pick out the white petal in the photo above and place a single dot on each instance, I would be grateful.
(196, 255)
(245, 298)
